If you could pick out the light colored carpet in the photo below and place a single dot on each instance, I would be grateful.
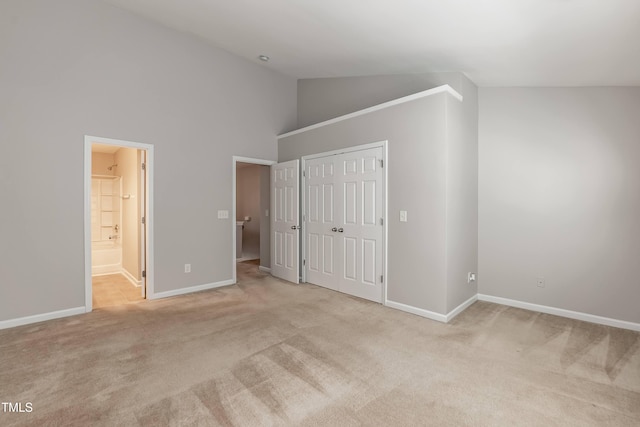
(265, 352)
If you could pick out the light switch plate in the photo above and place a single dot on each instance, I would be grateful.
(403, 216)
(223, 214)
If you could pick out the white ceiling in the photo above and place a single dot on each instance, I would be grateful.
(495, 42)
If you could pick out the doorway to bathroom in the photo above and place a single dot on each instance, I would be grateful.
(250, 220)
(117, 222)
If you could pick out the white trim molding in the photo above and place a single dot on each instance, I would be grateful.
(192, 289)
(264, 269)
(444, 318)
(440, 89)
(12, 323)
(135, 282)
(417, 311)
(561, 312)
(462, 307)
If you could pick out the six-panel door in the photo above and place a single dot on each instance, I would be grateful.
(284, 216)
(344, 223)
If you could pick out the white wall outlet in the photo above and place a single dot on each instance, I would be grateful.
(223, 214)
(187, 268)
(471, 277)
(540, 282)
(403, 216)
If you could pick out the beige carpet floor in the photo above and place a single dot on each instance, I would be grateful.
(265, 352)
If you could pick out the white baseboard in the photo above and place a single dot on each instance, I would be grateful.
(12, 323)
(129, 277)
(417, 311)
(191, 289)
(103, 270)
(265, 269)
(562, 312)
(459, 309)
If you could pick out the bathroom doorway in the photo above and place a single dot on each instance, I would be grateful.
(117, 222)
(251, 228)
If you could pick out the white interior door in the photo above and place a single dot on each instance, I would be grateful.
(285, 220)
(359, 177)
(321, 223)
(343, 222)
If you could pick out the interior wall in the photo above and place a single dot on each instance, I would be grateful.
(325, 98)
(100, 162)
(72, 68)
(559, 198)
(462, 196)
(417, 162)
(265, 225)
(248, 205)
(128, 160)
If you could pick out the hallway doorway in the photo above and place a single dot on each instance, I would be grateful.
(251, 204)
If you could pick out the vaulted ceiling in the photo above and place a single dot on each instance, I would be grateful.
(495, 42)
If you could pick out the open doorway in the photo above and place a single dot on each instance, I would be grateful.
(117, 222)
(251, 229)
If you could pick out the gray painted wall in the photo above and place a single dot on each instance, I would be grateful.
(462, 195)
(76, 67)
(417, 172)
(324, 99)
(559, 193)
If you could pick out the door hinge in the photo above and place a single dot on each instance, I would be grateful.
(304, 173)
(144, 273)
(381, 221)
(381, 163)
(304, 262)
(381, 279)
(144, 166)
(144, 221)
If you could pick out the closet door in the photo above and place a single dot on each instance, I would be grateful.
(321, 227)
(343, 223)
(359, 178)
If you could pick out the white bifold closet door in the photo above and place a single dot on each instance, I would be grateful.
(344, 232)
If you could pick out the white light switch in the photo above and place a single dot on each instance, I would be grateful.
(266, 212)
(223, 214)
(403, 216)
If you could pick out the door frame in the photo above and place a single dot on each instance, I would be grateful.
(149, 236)
(234, 161)
(385, 205)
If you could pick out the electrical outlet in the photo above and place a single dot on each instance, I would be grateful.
(471, 277)
(187, 268)
(540, 282)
